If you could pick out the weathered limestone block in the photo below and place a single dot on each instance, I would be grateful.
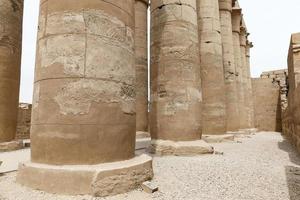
(141, 63)
(175, 72)
(84, 92)
(232, 110)
(236, 24)
(11, 15)
(184, 148)
(211, 65)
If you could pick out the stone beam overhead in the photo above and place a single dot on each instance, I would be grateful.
(232, 110)
(211, 65)
(84, 100)
(141, 62)
(11, 15)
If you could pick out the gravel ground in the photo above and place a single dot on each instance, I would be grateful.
(264, 167)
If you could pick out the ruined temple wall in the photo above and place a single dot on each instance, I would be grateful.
(266, 95)
(24, 120)
(291, 116)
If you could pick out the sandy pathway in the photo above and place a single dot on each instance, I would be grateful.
(264, 167)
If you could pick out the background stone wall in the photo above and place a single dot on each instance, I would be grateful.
(267, 95)
(24, 119)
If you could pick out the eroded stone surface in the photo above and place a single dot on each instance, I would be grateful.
(84, 99)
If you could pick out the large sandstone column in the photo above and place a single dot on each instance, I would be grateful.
(236, 25)
(175, 74)
(84, 100)
(232, 109)
(245, 77)
(251, 116)
(141, 62)
(11, 16)
(212, 71)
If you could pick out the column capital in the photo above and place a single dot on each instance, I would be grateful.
(236, 19)
(243, 36)
(226, 5)
(249, 44)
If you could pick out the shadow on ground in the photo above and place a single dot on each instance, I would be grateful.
(292, 172)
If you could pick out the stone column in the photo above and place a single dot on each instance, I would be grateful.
(212, 71)
(245, 76)
(249, 45)
(175, 77)
(11, 16)
(141, 63)
(236, 24)
(232, 109)
(84, 101)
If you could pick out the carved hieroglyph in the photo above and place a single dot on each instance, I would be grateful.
(84, 99)
(212, 71)
(175, 72)
(11, 15)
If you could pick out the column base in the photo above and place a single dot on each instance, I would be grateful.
(11, 146)
(248, 131)
(97, 180)
(218, 138)
(142, 134)
(185, 148)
